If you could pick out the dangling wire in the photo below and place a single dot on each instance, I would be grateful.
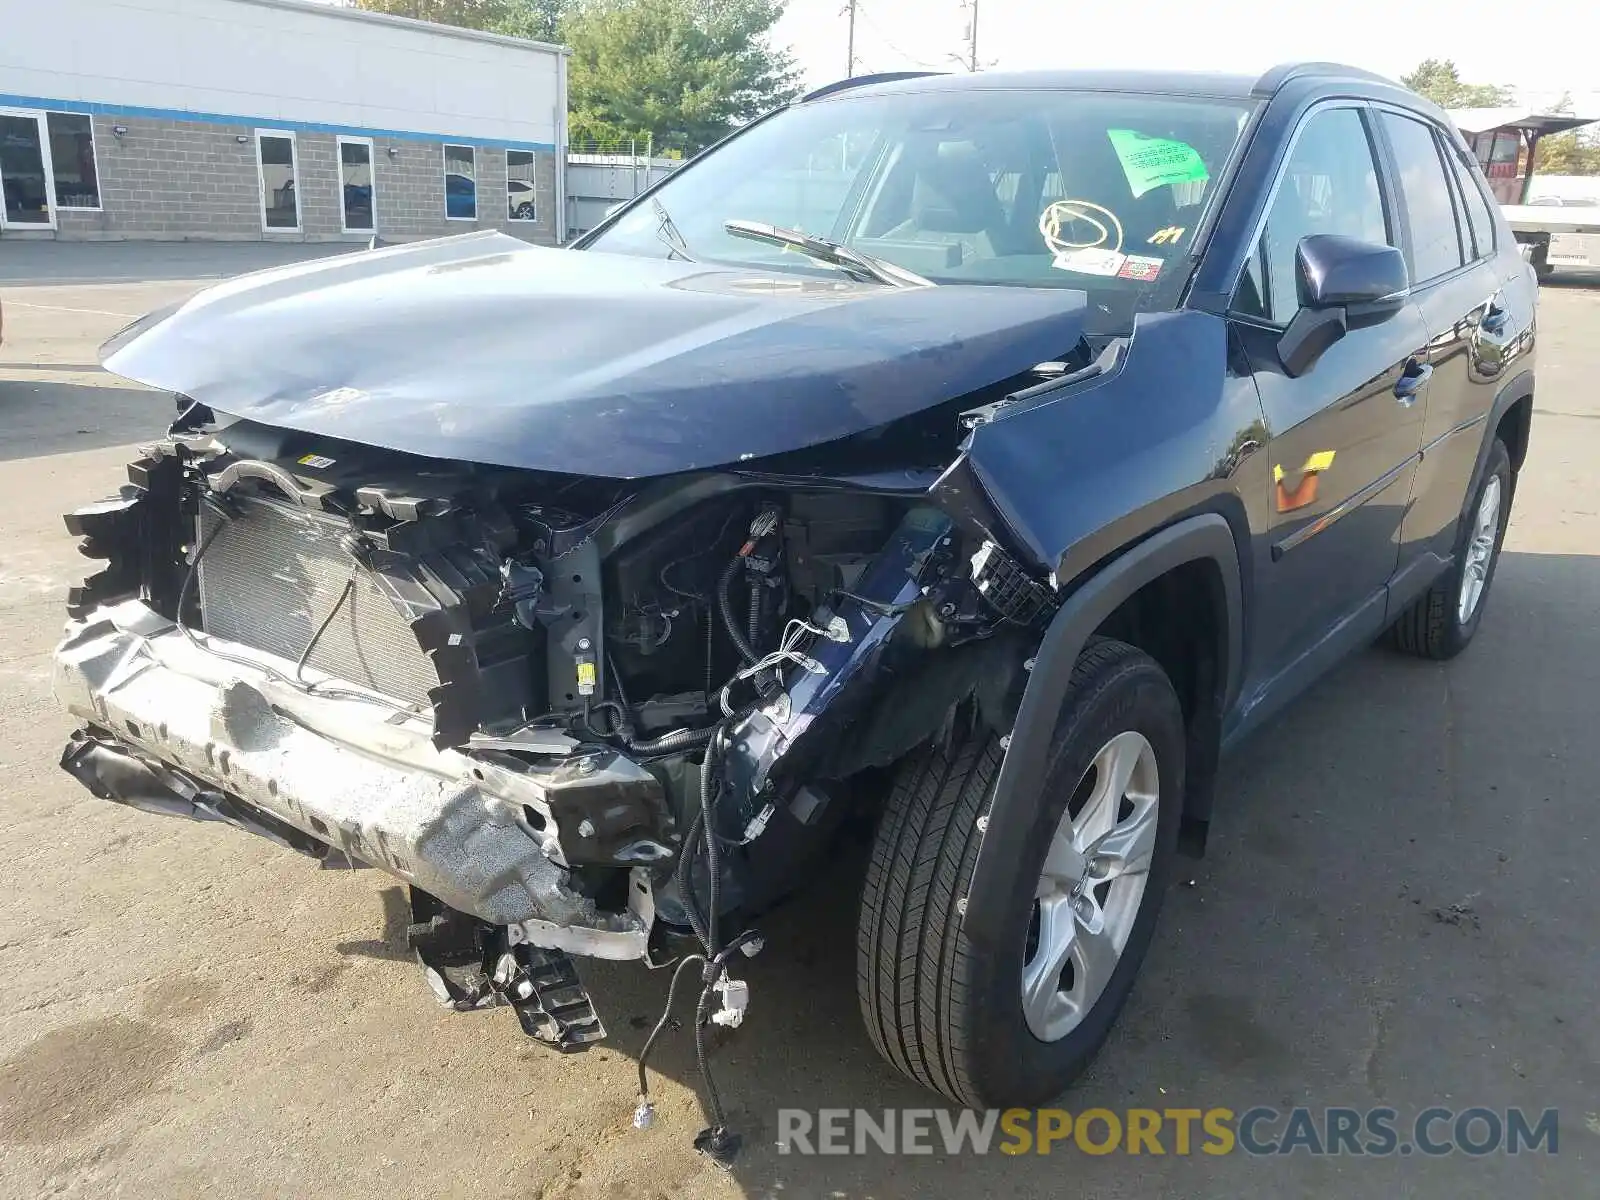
(795, 633)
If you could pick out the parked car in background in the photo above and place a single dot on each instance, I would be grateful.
(460, 197)
(1089, 420)
(520, 205)
(358, 205)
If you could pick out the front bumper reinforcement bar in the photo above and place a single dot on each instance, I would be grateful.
(173, 728)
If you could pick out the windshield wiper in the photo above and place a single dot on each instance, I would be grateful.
(822, 250)
(669, 233)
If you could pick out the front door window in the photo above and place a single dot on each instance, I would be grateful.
(24, 172)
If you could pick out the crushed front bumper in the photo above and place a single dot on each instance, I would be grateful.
(175, 728)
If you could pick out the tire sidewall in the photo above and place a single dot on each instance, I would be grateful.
(1010, 1065)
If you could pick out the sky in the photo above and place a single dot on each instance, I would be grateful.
(1542, 54)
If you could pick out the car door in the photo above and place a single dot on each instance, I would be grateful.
(1472, 324)
(1344, 435)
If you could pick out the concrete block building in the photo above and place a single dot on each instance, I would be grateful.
(274, 120)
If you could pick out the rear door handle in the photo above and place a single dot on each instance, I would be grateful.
(1411, 381)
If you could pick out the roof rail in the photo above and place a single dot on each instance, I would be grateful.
(1277, 76)
(856, 81)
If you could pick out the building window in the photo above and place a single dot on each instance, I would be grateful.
(72, 160)
(358, 195)
(460, 184)
(521, 204)
(275, 159)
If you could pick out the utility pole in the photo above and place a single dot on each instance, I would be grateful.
(850, 69)
(972, 40)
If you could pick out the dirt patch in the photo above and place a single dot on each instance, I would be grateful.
(224, 1035)
(321, 979)
(180, 997)
(70, 1080)
(1227, 1032)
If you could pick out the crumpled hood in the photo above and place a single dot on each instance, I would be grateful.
(486, 349)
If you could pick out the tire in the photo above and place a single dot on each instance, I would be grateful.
(1433, 626)
(949, 1012)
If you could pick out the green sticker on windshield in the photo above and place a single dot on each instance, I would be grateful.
(1149, 162)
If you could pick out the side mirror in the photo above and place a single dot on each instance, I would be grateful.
(1345, 284)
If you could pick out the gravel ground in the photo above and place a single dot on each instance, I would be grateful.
(1398, 906)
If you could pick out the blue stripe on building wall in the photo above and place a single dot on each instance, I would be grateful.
(176, 114)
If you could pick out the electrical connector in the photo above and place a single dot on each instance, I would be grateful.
(734, 995)
(758, 824)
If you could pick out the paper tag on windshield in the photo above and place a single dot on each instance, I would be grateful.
(1090, 260)
(1150, 162)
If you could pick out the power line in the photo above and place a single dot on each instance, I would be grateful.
(884, 38)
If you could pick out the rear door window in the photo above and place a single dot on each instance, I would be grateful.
(1429, 210)
(1480, 223)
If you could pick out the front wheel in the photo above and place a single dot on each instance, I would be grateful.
(1014, 1020)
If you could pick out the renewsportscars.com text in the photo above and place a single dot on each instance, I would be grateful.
(1257, 1131)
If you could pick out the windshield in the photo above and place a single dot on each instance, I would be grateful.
(1093, 190)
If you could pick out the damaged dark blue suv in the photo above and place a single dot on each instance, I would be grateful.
(972, 458)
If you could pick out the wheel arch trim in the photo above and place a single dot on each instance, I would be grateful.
(1204, 536)
(1515, 391)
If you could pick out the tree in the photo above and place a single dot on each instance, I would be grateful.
(1575, 152)
(1568, 153)
(684, 72)
(1440, 81)
(539, 20)
(469, 14)
(695, 69)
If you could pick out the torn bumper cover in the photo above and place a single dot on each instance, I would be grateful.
(173, 728)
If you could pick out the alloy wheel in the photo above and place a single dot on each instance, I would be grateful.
(1480, 551)
(1089, 892)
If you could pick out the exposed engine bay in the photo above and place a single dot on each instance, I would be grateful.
(576, 715)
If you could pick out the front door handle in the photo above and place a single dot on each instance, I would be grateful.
(1411, 381)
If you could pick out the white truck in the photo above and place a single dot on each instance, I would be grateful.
(1559, 231)
(1560, 235)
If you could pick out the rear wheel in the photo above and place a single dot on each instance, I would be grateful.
(1013, 1025)
(1441, 621)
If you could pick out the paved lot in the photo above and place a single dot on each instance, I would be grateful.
(1399, 907)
